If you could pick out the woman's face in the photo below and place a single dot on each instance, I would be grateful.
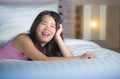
(46, 29)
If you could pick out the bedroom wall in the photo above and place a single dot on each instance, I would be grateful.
(96, 14)
(21, 2)
(113, 28)
(109, 34)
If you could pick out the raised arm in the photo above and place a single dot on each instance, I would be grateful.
(65, 50)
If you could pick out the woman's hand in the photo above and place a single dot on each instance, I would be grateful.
(59, 31)
(87, 55)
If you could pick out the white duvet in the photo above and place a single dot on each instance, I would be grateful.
(105, 66)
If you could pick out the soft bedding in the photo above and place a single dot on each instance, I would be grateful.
(105, 66)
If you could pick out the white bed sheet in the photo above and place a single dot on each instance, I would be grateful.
(105, 66)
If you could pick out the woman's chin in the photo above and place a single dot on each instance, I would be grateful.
(45, 40)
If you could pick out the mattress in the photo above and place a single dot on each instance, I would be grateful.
(105, 66)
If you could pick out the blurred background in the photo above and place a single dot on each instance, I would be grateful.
(94, 20)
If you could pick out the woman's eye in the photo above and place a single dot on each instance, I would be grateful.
(53, 26)
(43, 23)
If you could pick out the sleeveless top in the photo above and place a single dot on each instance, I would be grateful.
(9, 52)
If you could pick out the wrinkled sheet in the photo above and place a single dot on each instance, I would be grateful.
(105, 66)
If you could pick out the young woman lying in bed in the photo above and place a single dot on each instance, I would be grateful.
(44, 42)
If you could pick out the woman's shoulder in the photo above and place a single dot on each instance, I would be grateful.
(21, 40)
(21, 37)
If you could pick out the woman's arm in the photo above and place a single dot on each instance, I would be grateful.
(25, 45)
(64, 49)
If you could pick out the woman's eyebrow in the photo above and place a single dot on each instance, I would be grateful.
(44, 21)
(47, 22)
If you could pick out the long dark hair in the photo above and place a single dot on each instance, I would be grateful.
(51, 48)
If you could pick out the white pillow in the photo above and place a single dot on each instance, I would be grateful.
(18, 19)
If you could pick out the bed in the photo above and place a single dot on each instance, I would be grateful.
(105, 66)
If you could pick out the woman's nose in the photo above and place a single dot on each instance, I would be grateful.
(48, 27)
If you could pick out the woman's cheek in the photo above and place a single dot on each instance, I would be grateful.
(54, 32)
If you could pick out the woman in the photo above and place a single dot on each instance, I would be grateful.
(44, 42)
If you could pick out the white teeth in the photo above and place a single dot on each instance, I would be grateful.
(46, 33)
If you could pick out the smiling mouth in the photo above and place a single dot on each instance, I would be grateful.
(45, 34)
